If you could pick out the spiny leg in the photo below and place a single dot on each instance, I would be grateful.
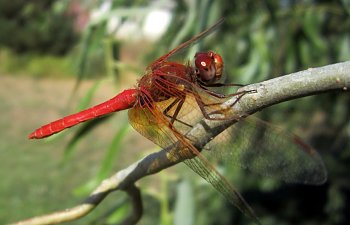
(173, 118)
(218, 95)
(220, 85)
(202, 105)
(241, 94)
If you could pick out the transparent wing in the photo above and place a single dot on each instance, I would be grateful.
(151, 123)
(187, 43)
(268, 150)
(250, 143)
(255, 145)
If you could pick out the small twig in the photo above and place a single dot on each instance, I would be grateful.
(296, 85)
(135, 195)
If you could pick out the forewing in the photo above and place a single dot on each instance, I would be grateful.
(268, 150)
(250, 143)
(151, 123)
(187, 43)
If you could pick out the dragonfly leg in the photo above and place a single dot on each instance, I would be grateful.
(240, 93)
(202, 105)
(218, 95)
(173, 118)
(220, 85)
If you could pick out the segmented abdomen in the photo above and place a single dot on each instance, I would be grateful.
(123, 100)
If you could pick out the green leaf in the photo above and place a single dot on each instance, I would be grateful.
(88, 126)
(118, 215)
(113, 151)
(86, 100)
(184, 206)
(107, 163)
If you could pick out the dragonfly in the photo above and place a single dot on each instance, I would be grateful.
(171, 97)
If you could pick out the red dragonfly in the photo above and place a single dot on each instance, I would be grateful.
(172, 97)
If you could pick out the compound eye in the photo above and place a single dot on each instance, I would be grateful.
(205, 67)
(219, 66)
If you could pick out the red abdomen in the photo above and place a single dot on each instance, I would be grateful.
(124, 100)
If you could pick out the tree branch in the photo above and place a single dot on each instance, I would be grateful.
(308, 82)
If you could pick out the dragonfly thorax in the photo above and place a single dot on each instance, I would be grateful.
(167, 80)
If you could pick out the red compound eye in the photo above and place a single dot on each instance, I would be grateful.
(209, 66)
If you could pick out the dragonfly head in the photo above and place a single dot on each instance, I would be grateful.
(208, 66)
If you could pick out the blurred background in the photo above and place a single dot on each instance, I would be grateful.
(58, 57)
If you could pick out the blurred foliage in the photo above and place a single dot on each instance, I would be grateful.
(35, 65)
(38, 35)
(258, 41)
(36, 26)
